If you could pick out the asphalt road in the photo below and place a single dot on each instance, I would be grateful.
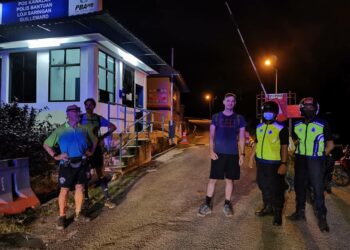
(160, 212)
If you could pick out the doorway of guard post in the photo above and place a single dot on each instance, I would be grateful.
(139, 106)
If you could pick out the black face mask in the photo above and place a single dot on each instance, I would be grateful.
(309, 114)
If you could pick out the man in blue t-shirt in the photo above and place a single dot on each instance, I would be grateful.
(227, 140)
(76, 142)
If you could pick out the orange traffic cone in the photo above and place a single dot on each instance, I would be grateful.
(184, 138)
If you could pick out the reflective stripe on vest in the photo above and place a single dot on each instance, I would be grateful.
(269, 145)
(311, 138)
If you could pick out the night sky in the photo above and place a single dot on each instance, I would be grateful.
(310, 38)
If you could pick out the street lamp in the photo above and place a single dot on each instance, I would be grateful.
(272, 62)
(208, 98)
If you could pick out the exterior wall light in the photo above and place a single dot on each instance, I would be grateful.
(43, 43)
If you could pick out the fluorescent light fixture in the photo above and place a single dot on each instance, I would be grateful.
(122, 54)
(0, 13)
(43, 43)
(128, 57)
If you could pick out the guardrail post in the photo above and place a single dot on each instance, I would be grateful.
(135, 118)
(120, 148)
(124, 118)
(149, 125)
(152, 121)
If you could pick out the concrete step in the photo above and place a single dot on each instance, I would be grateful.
(128, 156)
(142, 139)
(114, 168)
(133, 146)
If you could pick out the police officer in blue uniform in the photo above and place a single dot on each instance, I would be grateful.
(314, 143)
(271, 150)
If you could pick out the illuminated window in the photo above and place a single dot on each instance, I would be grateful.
(106, 77)
(64, 75)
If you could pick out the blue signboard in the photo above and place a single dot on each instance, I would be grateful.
(34, 10)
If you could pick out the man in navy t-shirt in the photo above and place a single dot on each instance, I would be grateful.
(227, 131)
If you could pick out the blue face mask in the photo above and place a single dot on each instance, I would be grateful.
(268, 116)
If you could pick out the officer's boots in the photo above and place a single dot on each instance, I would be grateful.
(277, 218)
(299, 214)
(265, 210)
(322, 223)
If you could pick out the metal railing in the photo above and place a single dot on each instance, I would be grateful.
(132, 128)
(125, 110)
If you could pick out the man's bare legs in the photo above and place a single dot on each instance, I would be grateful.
(211, 187)
(228, 189)
(62, 201)
(78, 197)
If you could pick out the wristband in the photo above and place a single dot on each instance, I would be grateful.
(243, 154)
(54, 155)
(283, 162)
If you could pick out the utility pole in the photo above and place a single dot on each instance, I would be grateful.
(172, 89)
(209, 109)
(276, 80)
(171, 122)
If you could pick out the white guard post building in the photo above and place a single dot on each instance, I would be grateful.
(55, 53)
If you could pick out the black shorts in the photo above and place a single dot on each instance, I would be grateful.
(97, 158)
(226, 167)
(68, 177)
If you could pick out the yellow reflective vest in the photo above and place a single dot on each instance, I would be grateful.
(268, 146)
(310, 138)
